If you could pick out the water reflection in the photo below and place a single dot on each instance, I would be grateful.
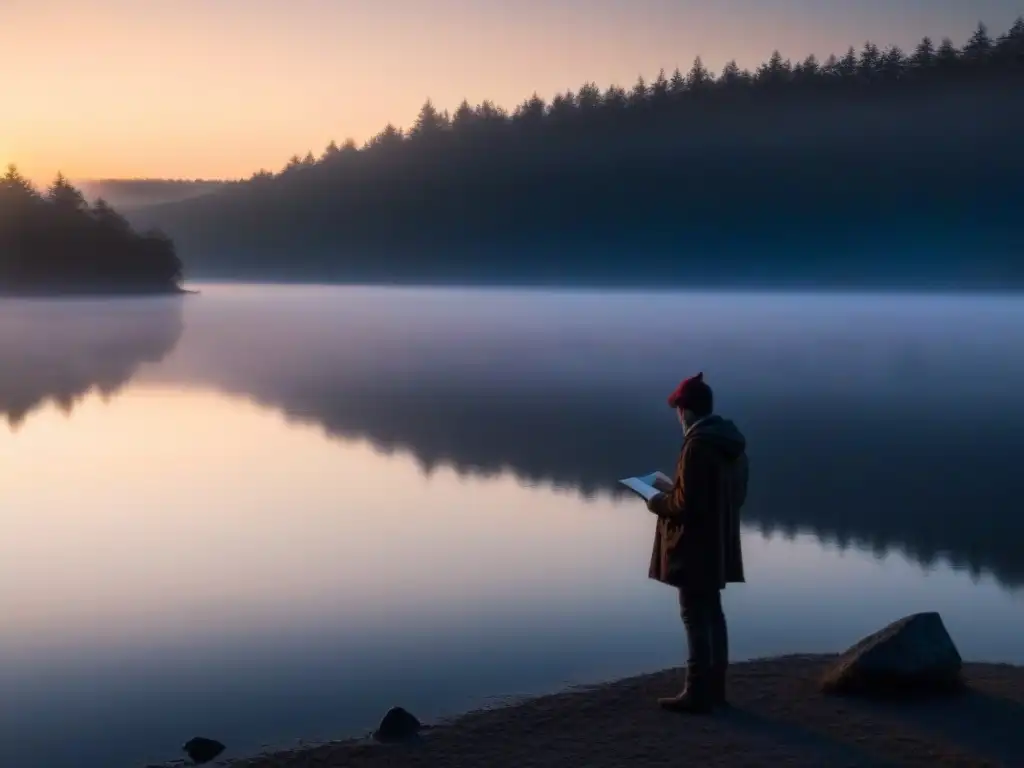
(880, 421)
(60, 350)
(222, 548)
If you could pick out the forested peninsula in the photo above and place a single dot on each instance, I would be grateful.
(54, 243)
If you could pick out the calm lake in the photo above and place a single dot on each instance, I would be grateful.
(266, 514)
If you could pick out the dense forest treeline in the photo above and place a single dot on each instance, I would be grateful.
(57, 243)
(809, 170)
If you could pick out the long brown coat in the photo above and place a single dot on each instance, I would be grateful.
(697, 541)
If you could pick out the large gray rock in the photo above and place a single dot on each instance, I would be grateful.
(911, 656)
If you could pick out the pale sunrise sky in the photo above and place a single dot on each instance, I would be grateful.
(221, 88)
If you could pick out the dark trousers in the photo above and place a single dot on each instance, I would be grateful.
(706, 634)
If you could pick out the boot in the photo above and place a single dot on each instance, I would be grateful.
(696, 698)
(687, 702)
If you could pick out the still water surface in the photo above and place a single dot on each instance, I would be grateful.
(270, 513)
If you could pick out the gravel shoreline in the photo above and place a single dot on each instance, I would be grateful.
(779, 717)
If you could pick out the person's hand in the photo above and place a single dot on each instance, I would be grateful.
(654, 501)
(663, 485)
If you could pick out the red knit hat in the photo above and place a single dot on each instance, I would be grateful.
(692, 394)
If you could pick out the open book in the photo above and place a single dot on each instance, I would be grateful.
(645, 486)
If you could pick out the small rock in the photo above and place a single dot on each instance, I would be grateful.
(911, 656)
(398, 725)
(202, 750)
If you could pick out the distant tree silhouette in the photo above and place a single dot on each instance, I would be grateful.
(623, 164)
(660, 90)
(1009, 51)
(699, 79)
(638, 96)
(615, 98)
(893, 65)
(978, 49)
(732, 77)
(65, 199)
(947, 57)
(677, 84)
(57, 242)
(870, 64)
(388, 138)
(924, 56)
(847, 67)
(429, 123)
(330, 151)
(589, 97)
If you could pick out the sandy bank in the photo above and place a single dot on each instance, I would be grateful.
(779, 718)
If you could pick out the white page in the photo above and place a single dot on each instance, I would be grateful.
(639, 487)
(644, 486)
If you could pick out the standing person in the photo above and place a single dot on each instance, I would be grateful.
(697, 540)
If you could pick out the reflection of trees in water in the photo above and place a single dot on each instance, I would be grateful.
(869, 479)
(60, 350)
(999, 561)
(877, 423)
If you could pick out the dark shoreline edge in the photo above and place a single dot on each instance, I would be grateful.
(571, 723)
(624, 286)
(96, 294)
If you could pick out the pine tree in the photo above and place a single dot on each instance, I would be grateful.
(774, 72)
(563, 105)
(640, 93)
(947, 56)
(589, 96)
(731, 75)
(390, 136)
(331, 150)
(615, 98)
(847, 66)
(677, 83)
(830, 67)
(532, 110)
(660, 88)
(65, 197)
(15, 188)
(428, 123)
(869, 65)
(894, 64)
(464, 116)
(807, 71)
(978, 47)
(698, 79)
(923, 57)
(489, 113)
(1010, 47)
